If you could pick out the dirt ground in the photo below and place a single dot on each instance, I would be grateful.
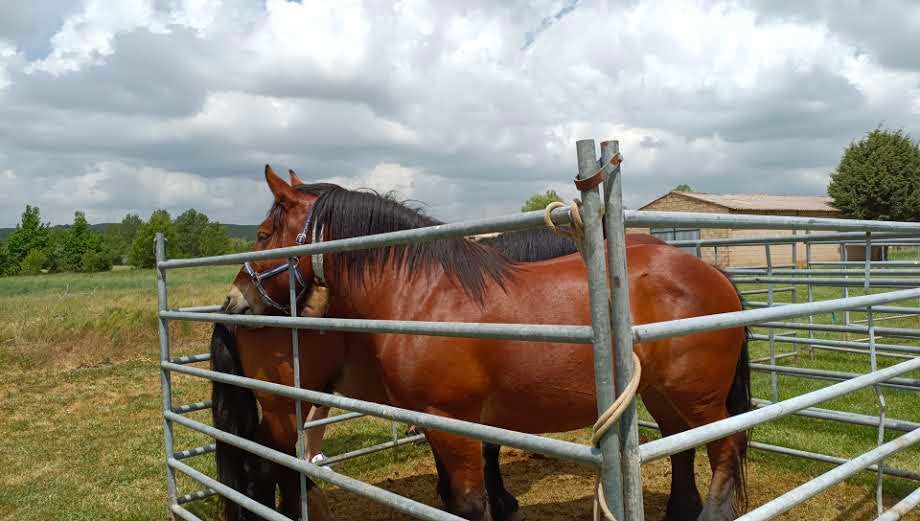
(550, 489)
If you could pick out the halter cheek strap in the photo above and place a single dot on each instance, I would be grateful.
(319, 272)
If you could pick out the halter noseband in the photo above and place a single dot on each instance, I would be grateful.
(318, 273)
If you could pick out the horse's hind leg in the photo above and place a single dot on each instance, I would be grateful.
(460, 474)
(726, 491)
(502, 505)
(684, 503)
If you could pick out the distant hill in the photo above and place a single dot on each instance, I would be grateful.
(242, 231)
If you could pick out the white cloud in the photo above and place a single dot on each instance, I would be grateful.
(87, 37)
(469, 107)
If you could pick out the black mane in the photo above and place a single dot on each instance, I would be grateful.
(531, 245)
(352, 213)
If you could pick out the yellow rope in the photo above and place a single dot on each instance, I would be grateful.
(611, 416)
(604, 423)
(576, 231)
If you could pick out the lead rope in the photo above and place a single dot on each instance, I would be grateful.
(575, 231)
(610, 417)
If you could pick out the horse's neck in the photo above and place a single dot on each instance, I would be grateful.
(395, 294)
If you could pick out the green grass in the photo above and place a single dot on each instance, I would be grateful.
(80, 427)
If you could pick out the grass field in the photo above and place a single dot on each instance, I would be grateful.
(81, 435)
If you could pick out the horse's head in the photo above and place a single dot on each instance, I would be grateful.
(262, 287)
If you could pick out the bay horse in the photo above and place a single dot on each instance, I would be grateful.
(533, 387)
(326, 364)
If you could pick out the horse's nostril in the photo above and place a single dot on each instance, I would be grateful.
(226, 305)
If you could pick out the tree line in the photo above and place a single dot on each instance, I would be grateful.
(37, 247)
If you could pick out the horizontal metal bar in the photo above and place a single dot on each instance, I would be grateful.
(895, 348)
(333, 419)
(834, 272)
(863, 352)
(527, 332)
(835, 282)
(904, 506)
(195, 496)
(722, 428)
(214, 308)
(184, 514)
(822, 374)
(847, 417)
(766, 290)
(831, 238)
(338, 458)
(196, 451)
(640, 218)
(505, 223)
(530, 442)
(862, 263)
(756, 304)
(686, 326)
(817, 456)
(777, 357)
(811, 488)
(395, 501)
(192, 407)
(891, 332)
(192, 359)
(240, 499)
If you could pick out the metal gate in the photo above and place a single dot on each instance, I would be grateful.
(619, 454)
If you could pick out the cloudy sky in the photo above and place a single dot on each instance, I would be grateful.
(111, 107)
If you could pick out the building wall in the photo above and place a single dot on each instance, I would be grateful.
(676, 203)
(741, 256)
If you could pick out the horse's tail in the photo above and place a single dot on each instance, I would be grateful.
(738, 402)
(234, 410)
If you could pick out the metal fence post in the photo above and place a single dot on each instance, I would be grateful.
(873, 364)
(611, 476)
(165, 379)
(298, 405)
(774, 383)
(621, 322)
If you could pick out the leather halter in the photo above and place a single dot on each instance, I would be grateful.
(316, 260)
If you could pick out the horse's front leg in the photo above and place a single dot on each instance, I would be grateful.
(502, 505)
(460, 474)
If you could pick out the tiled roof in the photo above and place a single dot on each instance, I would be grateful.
(766, 202)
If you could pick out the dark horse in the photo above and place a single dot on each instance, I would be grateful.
(529, 386)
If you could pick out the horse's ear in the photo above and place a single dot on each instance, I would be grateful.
(279, 187)
(295, 179)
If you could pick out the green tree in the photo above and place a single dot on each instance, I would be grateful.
(142, 254)
(95, 260)
(57, 238)
(683, 187)
(213, 241)
(119, 237)
(878, 178)
(238, 245)
(539, 201)
(190, 229)
(33, 262)
(80, 241)
(4, 259)
(30, 234)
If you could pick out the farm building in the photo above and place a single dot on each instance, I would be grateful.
(751, 204)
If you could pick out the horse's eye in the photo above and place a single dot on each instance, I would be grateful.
(262, 236)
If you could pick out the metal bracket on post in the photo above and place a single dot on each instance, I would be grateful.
(621, 322)
(165, 380)
(610, 471)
